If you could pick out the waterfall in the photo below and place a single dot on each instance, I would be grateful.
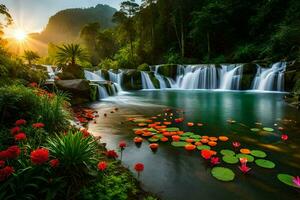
(230, 77)
(196, 77)
(117, 78)
(159, 77)
(102, 92)
(92, 76)
(146, 81)
(270, 79)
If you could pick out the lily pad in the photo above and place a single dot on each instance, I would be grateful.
(153, 139)
(286, 179)
(265, 163)
(258, 153)
(152, 130)
(227, 152)
(202, 147)
(172, 129)
(187, 134)
(159, 136)
(179, 144)
(197, 140)
(255, 129)
(230, 159)
(184, 138)
(222, 174)
(195, 136)
(268, 129)
(249, 157)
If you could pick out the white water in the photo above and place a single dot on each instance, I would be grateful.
(117, 78)
(102, 92)
(230, 77)
(146, 81)
(92, 76)
(270, 79)
(159, 77)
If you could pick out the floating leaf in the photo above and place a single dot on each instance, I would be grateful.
(255, 129)
(286, 179)
(230, 159)
(153, 139)
(258, 153)
(152, 130)
(195, 136)
(172, 129)
(249, 157)
(179, 144)
(265, 163)
(184, 138)
(268, 129)
(197, 140)
(202, 147)
(222, 173)
(187, 134)
(227, 152)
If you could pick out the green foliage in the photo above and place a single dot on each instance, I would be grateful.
(172, 58)
(108, 64)
(143, 67)
(70, 54)
(30, 56)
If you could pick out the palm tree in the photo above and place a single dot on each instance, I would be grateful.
(30, 56)
(70, 54)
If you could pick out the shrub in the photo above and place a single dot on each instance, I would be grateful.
(108, 64)
(143, 67)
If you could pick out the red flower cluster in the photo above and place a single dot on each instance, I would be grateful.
(20, 136)
(38, 125)
(15, 130)
(33, 84)
(111, 154)
(10, 153)
(139, 167)
(6, 172)
(20, 122)
(39, 156)
(102, 165)
(122, 144)
(54, 163)
(85, 132)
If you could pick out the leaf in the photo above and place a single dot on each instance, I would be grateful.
(184, 138)
(179, 144)
(227, 152)
(268, 129)
(195, 136)
(152, 130)
(286, 179)
(222, 173)
(187, 134)
(230, 159)
(255, 129)
(249, 157)
(172, 129)
(153, 139)
(258, 153)
(265, 163)
(202, 147)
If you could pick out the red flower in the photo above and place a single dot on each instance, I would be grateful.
(85, 133)
(39, 156)
(13, 152)
(214, 160)
(20, 122)
(206, 154)
(102, 165)
(20, 136)
(244, 168)
(54, 163)
(122, 144)
(111, 154)
(15, 130)
(6, 172)
(236, 144)
(33, 84)
(2, 163)
(139, 167)
(284, 137)
(38, 125)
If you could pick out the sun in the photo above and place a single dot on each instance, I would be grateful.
(20, 35)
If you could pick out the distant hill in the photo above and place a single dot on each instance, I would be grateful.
(65, 25)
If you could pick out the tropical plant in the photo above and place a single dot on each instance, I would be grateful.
(30, 56)
(71, 54)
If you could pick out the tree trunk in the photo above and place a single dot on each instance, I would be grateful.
(73, 62)
(182, 40)
(208, 44)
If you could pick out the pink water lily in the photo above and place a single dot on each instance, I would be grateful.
(244, 168)
(243, 161)
(236, 144)
(214, 160)
(296, 181)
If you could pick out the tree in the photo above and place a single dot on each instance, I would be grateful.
(7, 21)
(30, 56)
(70, 54)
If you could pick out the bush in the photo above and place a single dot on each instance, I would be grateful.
(108, 64)
(143, 67)
(245, 53)
(172, 58)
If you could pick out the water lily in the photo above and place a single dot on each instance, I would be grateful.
(243, 161)
(284, 137)
(206, 154)
(214, 160)
(236, 144)
(296, 181)
(244, 168)
(139, 167)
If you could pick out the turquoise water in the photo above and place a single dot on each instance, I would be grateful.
(176, 174)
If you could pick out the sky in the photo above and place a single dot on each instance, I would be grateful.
(33, 15)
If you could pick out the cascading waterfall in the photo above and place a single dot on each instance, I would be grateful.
(230, 77)
(270, 79)
(102, 92)
(92, 76)
(159, 77)
(116, 78)
(146, 81)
